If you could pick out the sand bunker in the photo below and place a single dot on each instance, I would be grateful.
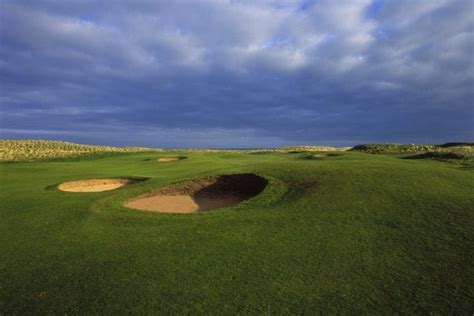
(323, 155)
(95, 185)
(201, 194)
(170, 159)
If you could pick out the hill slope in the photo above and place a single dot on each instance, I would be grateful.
(29, 150)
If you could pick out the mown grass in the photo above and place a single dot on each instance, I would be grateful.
(353, 233)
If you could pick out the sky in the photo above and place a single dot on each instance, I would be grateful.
(237, 73)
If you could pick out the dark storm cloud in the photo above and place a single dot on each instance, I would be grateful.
(237, 73)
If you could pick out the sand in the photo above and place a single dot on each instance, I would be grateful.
(181, 203)
(200, 194)
(94, 185)
(169, 159)
(324, 155)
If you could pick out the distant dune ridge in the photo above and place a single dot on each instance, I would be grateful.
(25, 150)
(31, 150)
(460, 151)
(312, 148)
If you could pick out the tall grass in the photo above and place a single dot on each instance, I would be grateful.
(448, 151)
(393, 148)
(311, 148)
(29, 150)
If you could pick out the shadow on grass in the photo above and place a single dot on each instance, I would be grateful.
(436, 155)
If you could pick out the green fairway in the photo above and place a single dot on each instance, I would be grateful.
(347, 233)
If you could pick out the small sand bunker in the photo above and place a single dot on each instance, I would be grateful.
(170, 159)
(323, 155)
(201, 194)
(95, 185)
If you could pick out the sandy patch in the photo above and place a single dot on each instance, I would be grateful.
(169, 159)
(324, 155)
(201, 194)
(94, 185)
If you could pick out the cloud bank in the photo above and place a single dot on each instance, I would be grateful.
(215, 73)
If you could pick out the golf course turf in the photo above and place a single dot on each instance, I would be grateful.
(347, 233)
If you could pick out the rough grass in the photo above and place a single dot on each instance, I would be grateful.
(38, 150)
(298, 149)
(393, 148)
(30, 150)
(449, 151)
(353, 234)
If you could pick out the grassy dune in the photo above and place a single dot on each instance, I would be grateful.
(460, 152)
(36, 150)
(348, 233)
(29, 150)
(312, 148)
(467, 148)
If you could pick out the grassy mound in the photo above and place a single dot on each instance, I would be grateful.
(458, 154)
(393, 148)
(300, 149)
(448, 151)
(446, 145)
(30, 150)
